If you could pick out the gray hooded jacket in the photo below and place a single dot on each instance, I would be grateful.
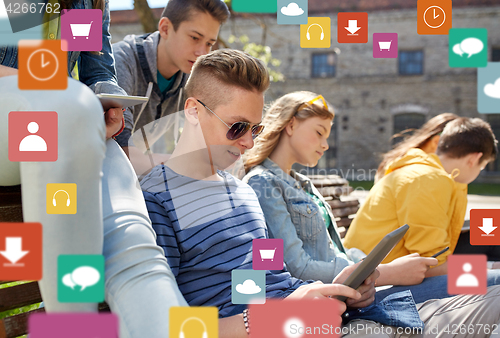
(136, 67)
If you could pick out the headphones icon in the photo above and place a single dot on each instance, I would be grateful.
(54, 198)
(205, 333)
(308, 36)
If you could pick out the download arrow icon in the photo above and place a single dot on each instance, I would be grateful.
(487, 227)
(353, 27)
(13, 251)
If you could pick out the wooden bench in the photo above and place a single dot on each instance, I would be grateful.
(18, 296)
(333, 188)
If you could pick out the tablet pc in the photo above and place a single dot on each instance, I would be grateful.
(377, 255)
(120, 101)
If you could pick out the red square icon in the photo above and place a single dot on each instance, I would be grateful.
(467, 274)
(20, 251)
(33, 136)
(484, 227)
(295, 318)
(352, 27)
(267, 254)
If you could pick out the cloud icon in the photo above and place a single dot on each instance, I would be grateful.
(493, 90)
(292, 10)
(248, 287)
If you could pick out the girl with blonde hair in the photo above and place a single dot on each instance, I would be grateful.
(297, 127)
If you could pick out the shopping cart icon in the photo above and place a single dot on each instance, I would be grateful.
(81, 29)
(384, 45)
(267, 254)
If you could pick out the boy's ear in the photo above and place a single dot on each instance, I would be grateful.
(474, 159)
(191, 111)
(164, 27)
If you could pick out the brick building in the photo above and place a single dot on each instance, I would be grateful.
(373, 98)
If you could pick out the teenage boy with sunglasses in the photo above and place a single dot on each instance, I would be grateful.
(163, 60)
(206, 219)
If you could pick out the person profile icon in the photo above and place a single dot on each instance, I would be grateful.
(467, 279)
(33, 142)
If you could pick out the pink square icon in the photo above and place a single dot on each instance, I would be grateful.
(74, 325)
(467, 274)
(81, 30)
(267, 254)
(33, 136)
(385, 45)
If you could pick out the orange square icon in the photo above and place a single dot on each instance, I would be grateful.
(42, 65)
(20, 251)
(434, 17)
(485, 227)
(352, 27)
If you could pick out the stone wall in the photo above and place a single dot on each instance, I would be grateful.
(367, 92)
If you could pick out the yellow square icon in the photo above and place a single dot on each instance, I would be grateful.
(316, 34)
(61, 198)
(194, 321)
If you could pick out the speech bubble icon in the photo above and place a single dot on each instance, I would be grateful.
(85, 276)
(68, 281)
(471, 46)
(457, 50)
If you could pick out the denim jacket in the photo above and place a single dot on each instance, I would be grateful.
(95, 70)
(309, 250)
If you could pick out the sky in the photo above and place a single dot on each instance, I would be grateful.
(115, 5)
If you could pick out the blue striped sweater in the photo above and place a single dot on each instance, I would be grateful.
(206, 230)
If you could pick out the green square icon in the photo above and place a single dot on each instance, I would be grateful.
(468, 47)
(80, 278)
(255, 6)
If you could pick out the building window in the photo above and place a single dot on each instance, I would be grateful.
(406, 121)
(495, 54)
(494, 121)
(411, 62)
(323, 65)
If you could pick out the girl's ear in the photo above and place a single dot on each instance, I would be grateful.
(291, 126)
(191, 111)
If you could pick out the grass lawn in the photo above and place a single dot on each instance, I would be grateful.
(474, 188)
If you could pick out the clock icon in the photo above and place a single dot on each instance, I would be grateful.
(434, 16)
(43, 64)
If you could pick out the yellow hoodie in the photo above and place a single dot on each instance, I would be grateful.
(416, 191)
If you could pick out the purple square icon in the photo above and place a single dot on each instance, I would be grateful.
(74, 325)
(385, 45)
(81, 30)
(267, 254)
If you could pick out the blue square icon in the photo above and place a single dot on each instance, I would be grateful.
(248, 286)
(488, 88)
(292, 12)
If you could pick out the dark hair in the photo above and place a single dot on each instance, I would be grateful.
(96, 4)
(225, 67)
(421, 136)
(465, 136)
(178, 11)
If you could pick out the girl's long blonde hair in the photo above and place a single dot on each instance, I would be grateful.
(277, 117)
(421, 136)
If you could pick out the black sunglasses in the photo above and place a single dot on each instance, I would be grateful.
(238, 129)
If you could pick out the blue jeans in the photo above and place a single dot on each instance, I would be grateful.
(112, 218)
(433, 287)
